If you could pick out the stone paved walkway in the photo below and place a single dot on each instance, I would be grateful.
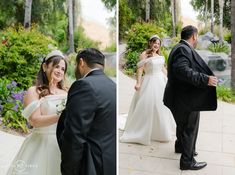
(215, 144)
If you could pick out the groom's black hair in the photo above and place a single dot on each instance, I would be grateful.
(188, 31)
(91, 56)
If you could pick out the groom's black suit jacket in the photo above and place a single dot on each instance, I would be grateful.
(187, 86)
(86, 131)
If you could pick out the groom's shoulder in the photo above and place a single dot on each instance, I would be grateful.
(182, 48)
(81, 82)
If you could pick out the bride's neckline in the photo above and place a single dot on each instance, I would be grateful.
(153, 56)
(55, 95)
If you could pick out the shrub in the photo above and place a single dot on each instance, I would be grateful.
(111, 48)
(132, 59)
(71, 67)
(225, 94)
(165, 52)
(11, 99)
(139, 34)
(126, 18)
(137, 42)
(228, 37)
(129, 72)
(219, 48)
(20, 53)
(81, 41)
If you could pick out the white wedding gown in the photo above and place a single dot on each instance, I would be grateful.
(39, 154)
(148, 119)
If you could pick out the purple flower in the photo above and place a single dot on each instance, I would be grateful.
(15, 108)
(9, 86)
(18, 96)
(13, 84)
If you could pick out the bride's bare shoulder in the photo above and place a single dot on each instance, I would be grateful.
(31, 95)
(32, 91)
(143, 55)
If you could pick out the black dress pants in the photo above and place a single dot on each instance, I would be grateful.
(187, 124)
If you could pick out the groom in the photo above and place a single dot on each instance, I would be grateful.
(86, 131)
(191, 88)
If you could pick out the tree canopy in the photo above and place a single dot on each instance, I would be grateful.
(200, 5)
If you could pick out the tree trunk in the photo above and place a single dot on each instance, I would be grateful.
(75, 14)
(27, 15)
(212, 16)
(233, 44)
(221, 7)
(206, 12)
(173, 11)
(70, 20)
(147, 15)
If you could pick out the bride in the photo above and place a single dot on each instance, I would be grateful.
(40, 154)
(148, 119)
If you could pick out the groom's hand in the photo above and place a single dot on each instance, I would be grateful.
(212, 81)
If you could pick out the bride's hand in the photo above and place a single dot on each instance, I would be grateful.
(137, 87)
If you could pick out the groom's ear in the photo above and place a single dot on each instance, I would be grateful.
(195, 36)
(82, 62)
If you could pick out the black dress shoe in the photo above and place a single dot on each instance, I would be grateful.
(194, 154)
(193, 166)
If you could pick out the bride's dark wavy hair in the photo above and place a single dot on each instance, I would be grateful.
(42, 82)
(149, 51)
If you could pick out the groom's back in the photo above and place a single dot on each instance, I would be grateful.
(103, 129)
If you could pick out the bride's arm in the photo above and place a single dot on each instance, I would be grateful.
(164, 70)
(140, 71)
(37, 119)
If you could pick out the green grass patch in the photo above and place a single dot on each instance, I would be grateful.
(225, 94)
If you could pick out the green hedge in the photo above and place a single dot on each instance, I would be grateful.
(21, 52)
(137, 42)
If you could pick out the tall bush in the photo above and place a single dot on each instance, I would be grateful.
(81, 41)
(137, 42)
(21, 52)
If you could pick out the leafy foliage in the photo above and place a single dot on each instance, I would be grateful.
(139, 34)
(20, 53)
(82, 41)
(137, 41)
(228, 37)
(110, 4)
(225, 94)
(131, 61)
(133, 11)
(49, 16)
(219, 48)
(199, 5)
(11, 98)
(71, 68)
(11, 13)
(111, 48)
(126, 18)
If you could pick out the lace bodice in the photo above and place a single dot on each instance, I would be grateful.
(152, 65)
(48, 105)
